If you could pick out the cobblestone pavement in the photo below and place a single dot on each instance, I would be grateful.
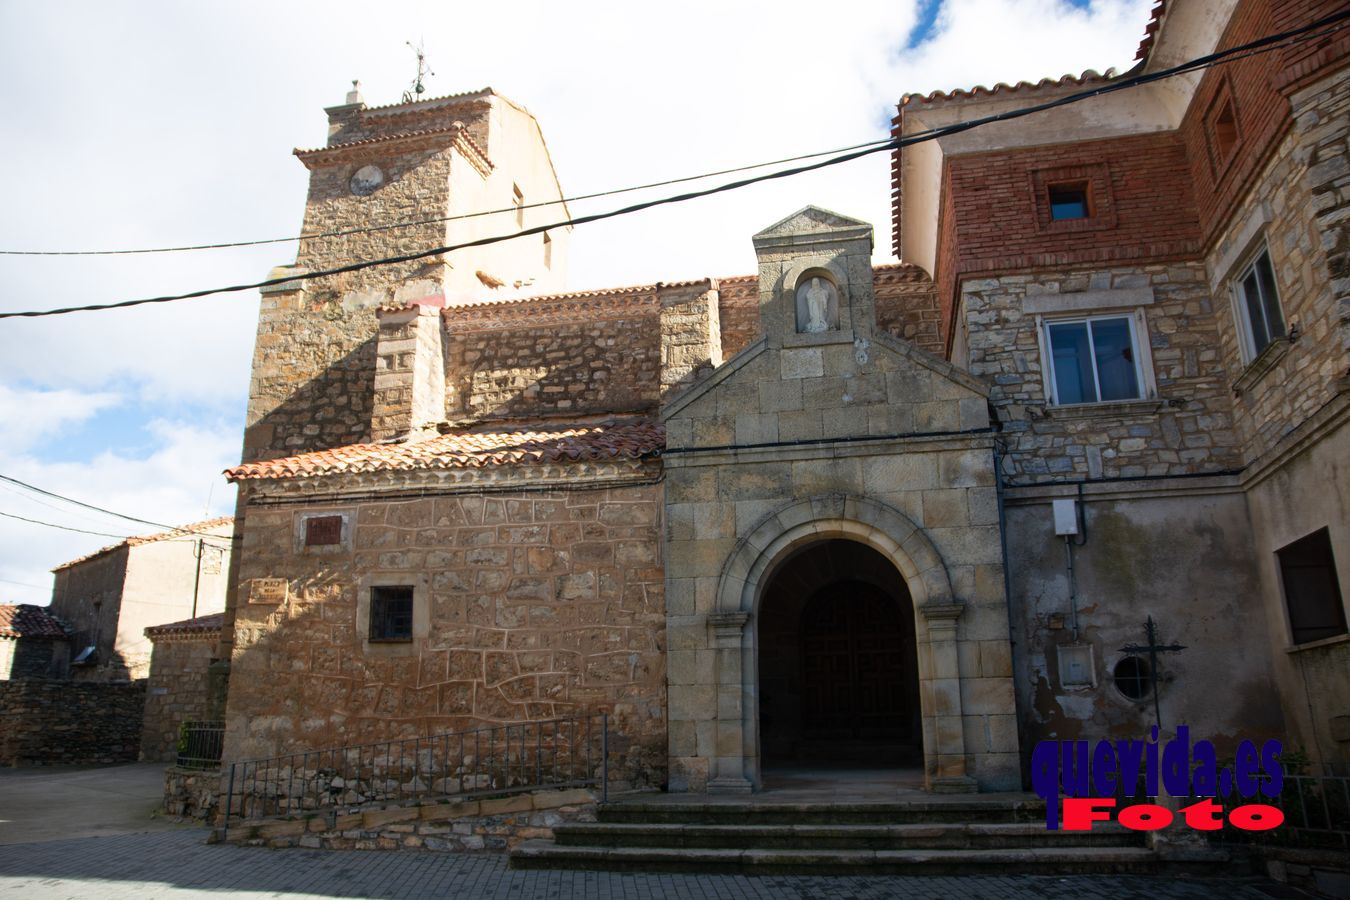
(179, 864)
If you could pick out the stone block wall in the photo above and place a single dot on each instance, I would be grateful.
(49, 722)
(570, 355)
(528, 605)
(1296, 209)
(1188, 428)
(176, 691)
(33, 658)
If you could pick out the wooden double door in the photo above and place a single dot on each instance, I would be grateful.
(859, 671)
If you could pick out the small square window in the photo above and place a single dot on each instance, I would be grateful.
(1311, 591)
(1259, 305)
(1093, 360)
(391, 613)
(1068, 201)
(323, 531)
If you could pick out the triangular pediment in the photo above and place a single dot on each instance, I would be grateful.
(809, 220)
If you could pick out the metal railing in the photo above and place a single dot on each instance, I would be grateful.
(200, 745)
(503, 759)
(1316, 815)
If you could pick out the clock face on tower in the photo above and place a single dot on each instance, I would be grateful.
(366, 180)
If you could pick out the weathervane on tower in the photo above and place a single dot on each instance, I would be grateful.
(422, 70)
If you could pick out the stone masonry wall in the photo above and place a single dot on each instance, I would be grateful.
(1302, 195)
(533, 605)
(569, 357)
(176, 692)
(1188, 429)
(48, 722)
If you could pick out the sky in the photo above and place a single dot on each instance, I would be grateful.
(135, 124)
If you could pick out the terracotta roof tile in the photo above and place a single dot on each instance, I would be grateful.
(1091, 76)
(202, 625)
(137, 540)
(25, 620)
(486, 446)
(1151, 30)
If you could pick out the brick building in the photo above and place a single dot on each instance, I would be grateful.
(820, 511)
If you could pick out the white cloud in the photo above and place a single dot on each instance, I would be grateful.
(28, 415)
(178, 482)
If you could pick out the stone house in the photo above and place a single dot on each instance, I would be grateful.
(906, 513)
(111, 596)
(177, 688)
(33, 643)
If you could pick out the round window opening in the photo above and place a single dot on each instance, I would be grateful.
(1131, 677)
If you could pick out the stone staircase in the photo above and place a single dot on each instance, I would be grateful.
(946, 836)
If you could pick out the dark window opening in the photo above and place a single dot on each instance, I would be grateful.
(548, 251)
(1311, 590)
(1223, 129)
(1261, 303)
(1132, 678)
(322, 531)
(391, 613)
(1068, 201)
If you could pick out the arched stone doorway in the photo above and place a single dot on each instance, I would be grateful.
(838, 665)
(749, 571)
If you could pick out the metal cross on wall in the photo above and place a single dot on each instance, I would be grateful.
(1153, 648)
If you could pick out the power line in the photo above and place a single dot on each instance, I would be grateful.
(161, 525)
(122, 537)
(22, 584)
(1264, 44)
(366, 229)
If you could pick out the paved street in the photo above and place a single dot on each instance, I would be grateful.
(90, 833)
(178, 864)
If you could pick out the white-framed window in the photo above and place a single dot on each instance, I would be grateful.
(1257, 303)
(1095, 359)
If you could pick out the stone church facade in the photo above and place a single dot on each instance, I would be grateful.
(911, 514)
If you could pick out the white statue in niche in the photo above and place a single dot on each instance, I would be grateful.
(817, 306)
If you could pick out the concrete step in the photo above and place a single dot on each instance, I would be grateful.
(917, 836)
(1022, 860)
(752, 812)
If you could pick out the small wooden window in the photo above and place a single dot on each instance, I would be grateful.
(1224, 130)
(1069, 201)
(323, 531)
(391, 613)
(1311, 591)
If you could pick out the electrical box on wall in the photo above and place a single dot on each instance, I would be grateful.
(1066, 516)
(1076, 667)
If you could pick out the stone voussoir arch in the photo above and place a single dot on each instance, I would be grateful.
(871, 522)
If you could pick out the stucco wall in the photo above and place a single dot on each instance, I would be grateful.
(1182, 555)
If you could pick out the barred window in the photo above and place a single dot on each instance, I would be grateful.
(391, 613)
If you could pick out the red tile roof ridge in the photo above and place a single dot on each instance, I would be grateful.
(455, 128)
(137, 540)
(1151, 30)
(1091, 76)
(203, 625)
(482, 445)
(462, 97)
(27, 620)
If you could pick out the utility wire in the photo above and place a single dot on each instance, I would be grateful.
(121, 537)
(366, 229)
(161, 525)
(1263, 44)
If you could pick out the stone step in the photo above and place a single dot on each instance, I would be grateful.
(934, 836)
(946, 811)
(539, 854)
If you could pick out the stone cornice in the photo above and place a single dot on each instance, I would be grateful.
(452, 136)
(346, 486)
